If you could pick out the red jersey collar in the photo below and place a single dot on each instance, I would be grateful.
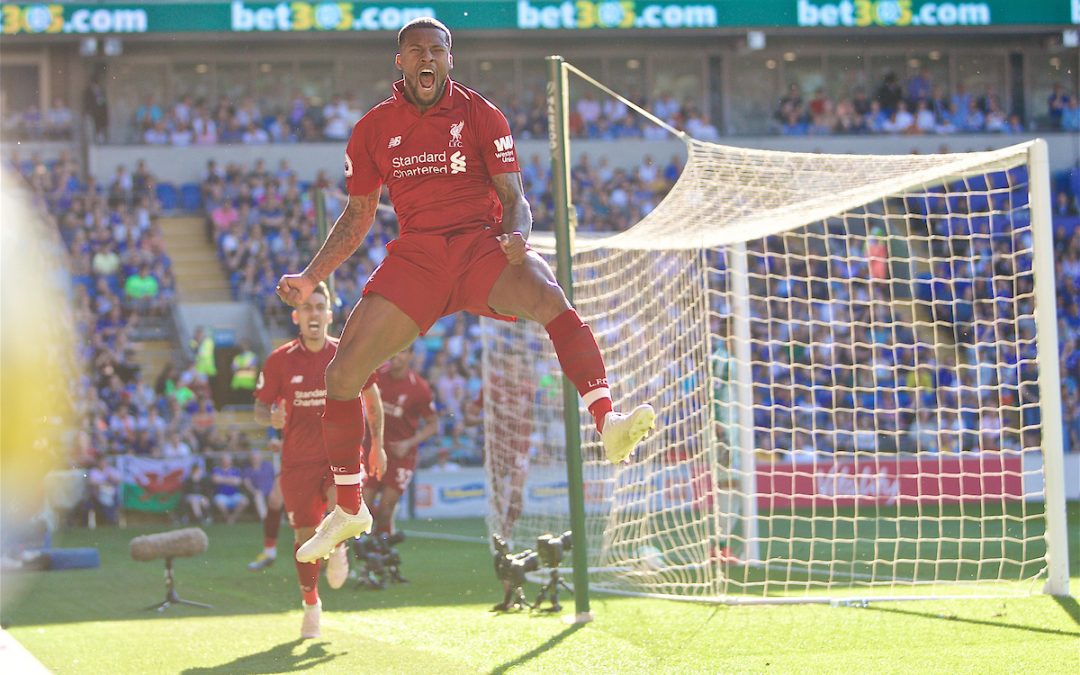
(304, 348)
(443, 103)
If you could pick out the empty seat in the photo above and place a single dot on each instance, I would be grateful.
(190, 197)
(168, 196)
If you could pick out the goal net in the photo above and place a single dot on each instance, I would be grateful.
(854, 374)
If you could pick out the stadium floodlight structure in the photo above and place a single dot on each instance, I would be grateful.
(854, 365)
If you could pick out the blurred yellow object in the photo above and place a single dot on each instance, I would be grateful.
(38, 371)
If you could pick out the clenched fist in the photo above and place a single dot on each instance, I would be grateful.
(513, 245)
(294, 289)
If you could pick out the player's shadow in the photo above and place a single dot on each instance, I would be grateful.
(1064, 602)
(538, 650)
(282, 658)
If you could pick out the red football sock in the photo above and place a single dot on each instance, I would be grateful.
(581, 361)
(343, 436)
(308, 574)
(271, 525)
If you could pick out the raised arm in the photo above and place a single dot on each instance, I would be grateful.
(345, 236)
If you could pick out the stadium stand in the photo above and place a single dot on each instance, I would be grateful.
(267, 228)
(919, 105)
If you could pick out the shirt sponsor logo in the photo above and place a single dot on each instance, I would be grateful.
(504, 149)
(455, 134)
(296, 379)
(422, 164)
(457, 163)
(394, 142)
(314, 398)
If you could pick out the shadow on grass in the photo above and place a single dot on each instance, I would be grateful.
(121, 587)
(538, 650)
(283, 658)
(1071, 607)
(981, 622)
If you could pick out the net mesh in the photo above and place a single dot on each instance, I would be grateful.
(841, 352)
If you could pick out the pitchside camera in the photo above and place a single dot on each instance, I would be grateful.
(381, 561)
(511, 569)
(551, 547)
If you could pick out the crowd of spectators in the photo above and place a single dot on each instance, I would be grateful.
(55, 123)
(885, 389)
(262, 221)
(305, 119)
(120, 278)
(833, 302)
(917, 106)
(301, 119)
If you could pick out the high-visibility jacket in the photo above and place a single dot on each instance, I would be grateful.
(245, 370)
(204, 357)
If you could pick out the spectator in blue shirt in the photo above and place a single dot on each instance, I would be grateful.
(1056, 104)
(228, 498)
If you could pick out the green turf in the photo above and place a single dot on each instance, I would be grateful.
(91, 622)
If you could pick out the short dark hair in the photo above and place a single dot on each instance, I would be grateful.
(424, 22)
(323, 288)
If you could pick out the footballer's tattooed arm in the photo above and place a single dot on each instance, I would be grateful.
(345, 236)
(517, 217)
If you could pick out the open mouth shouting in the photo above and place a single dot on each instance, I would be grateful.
(426, 83)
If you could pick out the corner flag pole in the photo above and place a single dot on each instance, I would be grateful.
(558, 132)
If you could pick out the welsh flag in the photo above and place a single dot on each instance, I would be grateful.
(153, 484)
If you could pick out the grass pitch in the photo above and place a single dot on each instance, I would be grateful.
(91, 621)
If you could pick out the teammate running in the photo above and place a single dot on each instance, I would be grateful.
(290, 395)
(448, 158)
(410, 420)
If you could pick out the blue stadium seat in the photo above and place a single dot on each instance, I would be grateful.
(999, 180)
(190, 197)
(1020, 197)
(978, 202)
(1018, 175)
(1059, 180)
(167, 195)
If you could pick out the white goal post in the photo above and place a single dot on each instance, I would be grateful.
(854, 363)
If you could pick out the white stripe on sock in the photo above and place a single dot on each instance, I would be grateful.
(595, 395)
(347, 478)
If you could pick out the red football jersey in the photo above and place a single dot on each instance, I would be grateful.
(298, 376)
(405, 401)
(437, 165)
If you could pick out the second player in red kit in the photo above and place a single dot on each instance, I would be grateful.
(447, 156)
(409, 414)
(290, 395)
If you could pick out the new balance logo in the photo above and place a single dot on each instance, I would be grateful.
(296, 379)
(394, 142)
(457, 163)
(503, 144)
